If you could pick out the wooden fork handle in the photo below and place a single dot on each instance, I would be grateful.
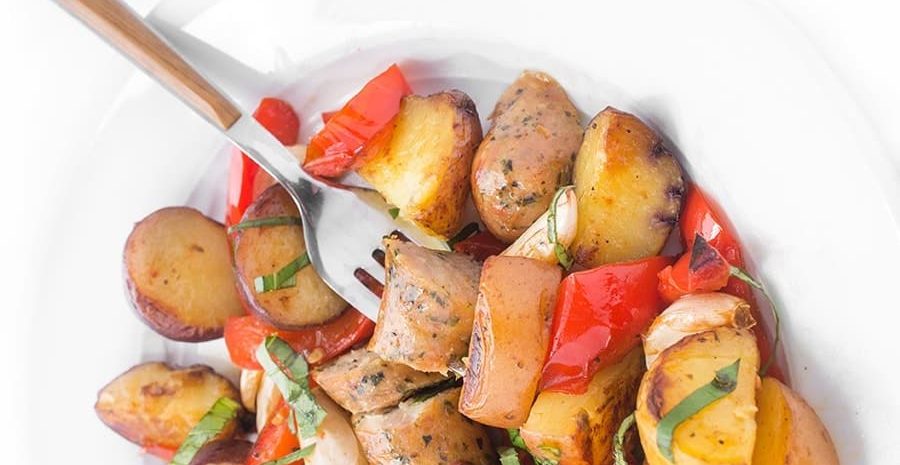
(123, 28)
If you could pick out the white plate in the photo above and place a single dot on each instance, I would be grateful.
(759, 120)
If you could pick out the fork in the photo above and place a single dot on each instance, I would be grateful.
(343, 226)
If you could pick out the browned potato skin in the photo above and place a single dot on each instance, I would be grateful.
(526, 156)
(360, 381)
(509, 342)
(430, 432)
(153, 404)
(178, 250)
(420, 163)
(425, 319)
(261, 251)
(629, 188)
(223, 452)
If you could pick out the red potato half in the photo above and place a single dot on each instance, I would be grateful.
(178, 274)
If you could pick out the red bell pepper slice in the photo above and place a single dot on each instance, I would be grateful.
(480, 246)
(246, 180)
(702, 270)
(244, 334)
(163, 452)
(599, 317)
(702, 218)
(275, 440)
(332, 151)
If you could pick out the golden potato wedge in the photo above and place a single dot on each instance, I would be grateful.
(153, 404)
(425, 319)
(510, 335)
(265, 250)
(335, 440)
(429, 431)
(420, 163)
(578, 429)
(724, 431)
(788, 431)
(629, 189)
(178, 274)
(360, 381)
(526, 156)
(692, 314)
(223, 452)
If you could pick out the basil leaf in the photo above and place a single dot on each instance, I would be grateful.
(561, 254)
(289, 371)
(466, 232)
(721, 385)
(619, 440)
(293, 456)
(549, 450)
(283, 278)
(509, 456)
(516, 438)
(394, 212)
(223, 412)
(261, 222)
(745, 277)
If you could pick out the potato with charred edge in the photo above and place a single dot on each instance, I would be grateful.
(264, 250)
(788, 431)
(724, 431)
(155, 405)
(629, 189)
(420, 162)
(526, 156)
(178, 274)
(429, 431)
(578, 429)
(360, 381)
(223, 452)
(425, 318)
(510, 336)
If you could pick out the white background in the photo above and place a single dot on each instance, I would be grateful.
(58, 80)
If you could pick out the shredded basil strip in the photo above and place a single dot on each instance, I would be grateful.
(213, 422)
(516, 438)
(394, 212)
(293, 456)
(561, 254)
(466, 232)
(509, 456)
(261, 222)
(745, 277)
(289, 371)
(721, 385)
(555, 452)
(283, 278)
(619, 440)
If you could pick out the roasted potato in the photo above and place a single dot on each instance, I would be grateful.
(360, 381)
(724, 431)
(336, 443)
(265, 250)
(510, 335)
(535, 241)
(178, 274)
(420, 162)
(526, 156)
(629, 189)
(695, 313)
(153, 404)
(578, 429)
(223, 452)
(425, 318)
(788, 431)
(429, 431)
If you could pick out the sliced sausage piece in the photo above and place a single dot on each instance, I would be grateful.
(426, 311)
(510, 336)
(426, 432)
(360, 381)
